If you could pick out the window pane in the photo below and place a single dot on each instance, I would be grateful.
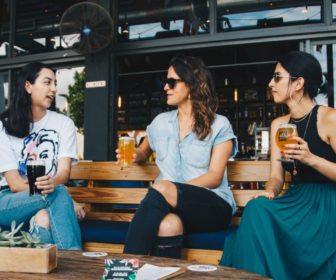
(70, 99)
(250, 14)
(4, 28)
(3, 91)
(334, 9)
(320, 52)
(37, 26)
(161, 19)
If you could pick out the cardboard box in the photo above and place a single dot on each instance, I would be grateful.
(37, 260)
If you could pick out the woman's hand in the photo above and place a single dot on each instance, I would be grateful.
(299, 151)
(267, 193)
(45, 184)
(79, 210)
(119, 156)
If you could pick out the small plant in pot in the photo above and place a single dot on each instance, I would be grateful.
(21, 251)
(13, 239)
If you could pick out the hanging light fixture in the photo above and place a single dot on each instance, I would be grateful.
(235, 95)
(305, 8)
(125, 27)
(119, 102)
(226, 81)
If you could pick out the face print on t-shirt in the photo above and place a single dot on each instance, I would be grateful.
(42, 145)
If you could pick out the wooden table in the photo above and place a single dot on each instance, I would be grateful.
(73, 265)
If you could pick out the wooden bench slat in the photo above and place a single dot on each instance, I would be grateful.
(108, 195)
(250, 171)
(112, 171)
(80, 171)
(247, 171)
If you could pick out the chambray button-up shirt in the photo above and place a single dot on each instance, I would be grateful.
(181, 162)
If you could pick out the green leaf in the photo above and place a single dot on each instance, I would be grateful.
(8, 238)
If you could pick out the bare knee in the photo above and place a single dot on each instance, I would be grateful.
(163, 186)
(171, 225)
(42, 219)
(168, 190)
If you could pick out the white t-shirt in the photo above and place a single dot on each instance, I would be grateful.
(51, 138)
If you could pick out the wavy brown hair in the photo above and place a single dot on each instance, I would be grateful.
(194, 72)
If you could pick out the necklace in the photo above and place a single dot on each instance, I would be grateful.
(301, 119)
(304, 135)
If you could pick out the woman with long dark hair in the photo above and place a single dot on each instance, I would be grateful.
(293, 236)
(192, 145)
(28, 130)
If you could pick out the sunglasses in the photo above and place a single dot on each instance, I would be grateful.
(277, 76)
(171, 82)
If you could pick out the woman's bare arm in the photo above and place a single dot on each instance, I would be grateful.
(219, 157)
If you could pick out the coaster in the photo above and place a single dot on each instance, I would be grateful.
(94, 254)
(201, 267)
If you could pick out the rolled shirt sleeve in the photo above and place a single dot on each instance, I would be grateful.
(225, 133)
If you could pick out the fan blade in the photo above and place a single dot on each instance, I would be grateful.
(86, 27)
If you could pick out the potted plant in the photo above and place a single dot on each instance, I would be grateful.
(24, 252)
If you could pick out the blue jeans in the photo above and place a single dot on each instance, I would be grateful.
(64, 229)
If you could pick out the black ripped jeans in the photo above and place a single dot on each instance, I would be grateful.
(200, 210)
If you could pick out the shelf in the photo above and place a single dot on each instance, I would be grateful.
(251, 119)
(251, 103)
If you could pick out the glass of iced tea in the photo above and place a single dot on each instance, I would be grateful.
(126, 146)
(284, 136)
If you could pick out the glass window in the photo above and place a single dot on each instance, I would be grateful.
(334, 9)
(70, 99)
(3, 91)
(4, 28)
(320, 52)
(161, 19)
(37, 26)
(249, 14)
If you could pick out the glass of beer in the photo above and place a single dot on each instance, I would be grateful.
(35, 169)
(126, 146)
(284, 136)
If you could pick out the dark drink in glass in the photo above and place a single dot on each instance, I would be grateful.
(35, 169)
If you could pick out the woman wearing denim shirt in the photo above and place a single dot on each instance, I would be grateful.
(28, 130)
(192, 145)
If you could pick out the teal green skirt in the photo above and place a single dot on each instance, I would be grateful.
(290, 237)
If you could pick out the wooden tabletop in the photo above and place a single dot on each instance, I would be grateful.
(73, 265)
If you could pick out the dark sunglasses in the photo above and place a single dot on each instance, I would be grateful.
(171, 82)
(277, 76)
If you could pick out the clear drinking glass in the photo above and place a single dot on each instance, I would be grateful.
(284, 136)
(35, 169)
(126, 146)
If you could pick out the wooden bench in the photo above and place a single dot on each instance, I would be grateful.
(98, 194)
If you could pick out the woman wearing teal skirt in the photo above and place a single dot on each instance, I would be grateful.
(293, 236)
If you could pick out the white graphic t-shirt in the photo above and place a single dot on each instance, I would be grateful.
(51, 138)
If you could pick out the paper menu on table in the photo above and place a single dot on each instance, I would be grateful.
(153, 272)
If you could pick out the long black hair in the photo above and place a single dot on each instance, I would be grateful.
(17, 118)
(301, 64)
(194, 72)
